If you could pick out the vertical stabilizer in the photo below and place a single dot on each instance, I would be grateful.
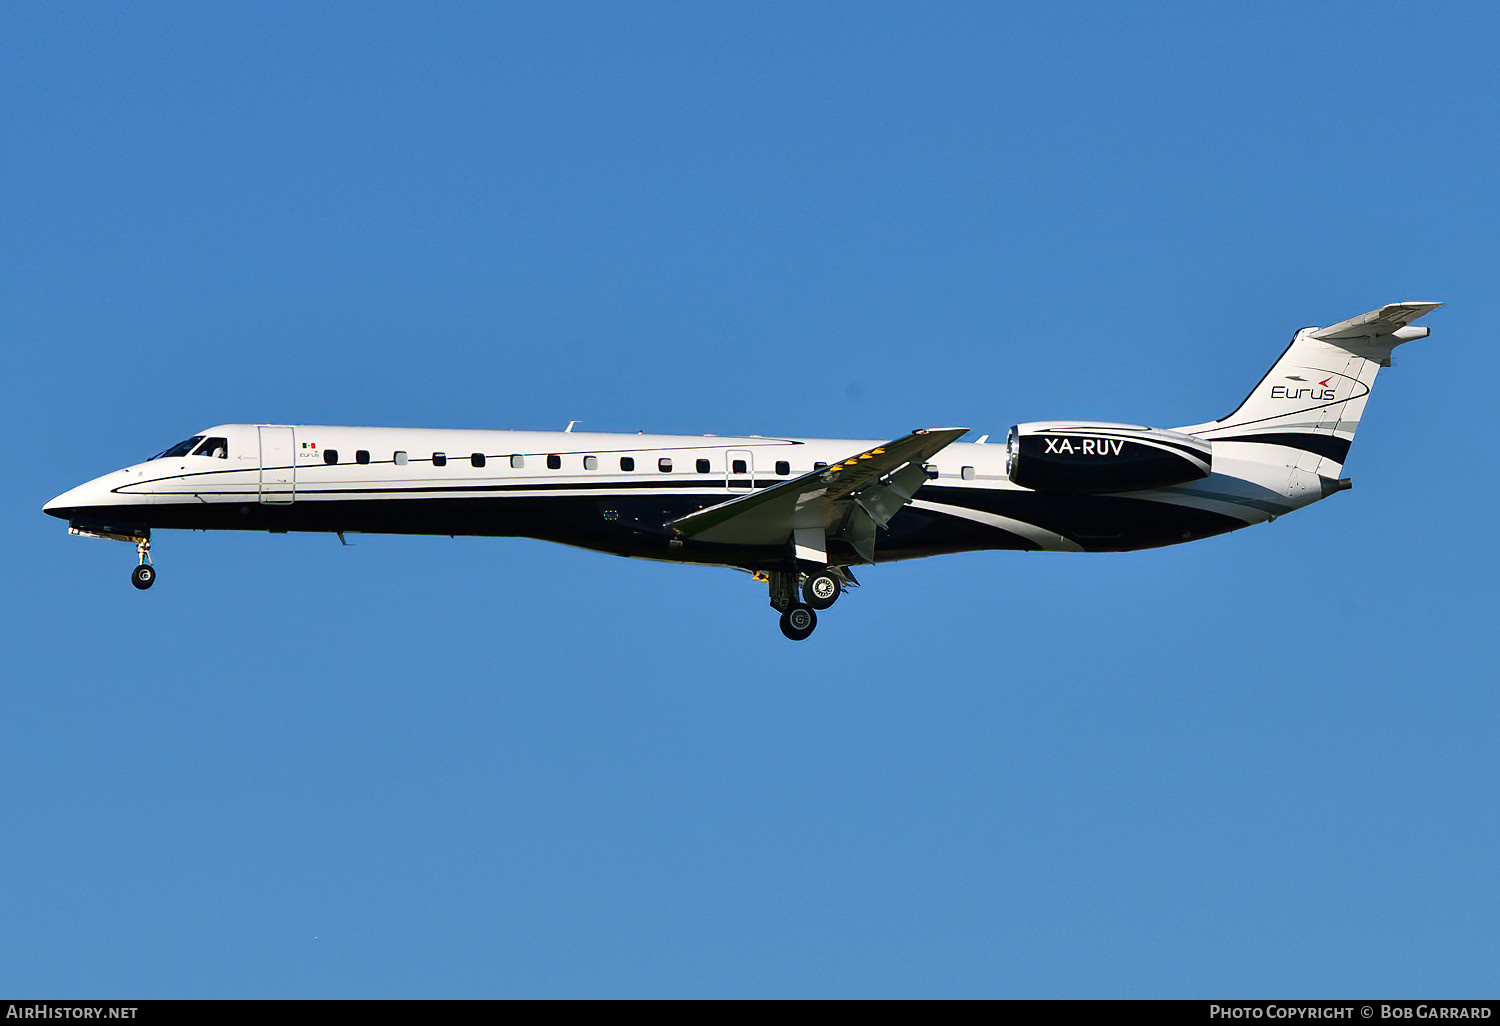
(1309, 404)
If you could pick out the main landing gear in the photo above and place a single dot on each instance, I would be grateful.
(819, 588)
(798, 622)
(144, 575)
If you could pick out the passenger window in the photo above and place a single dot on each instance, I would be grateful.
(703, 466)
(664, 465)
(477, 459)
(627, 463)
(783, 468)
(398, 458)
(517, 462)
(214, 447)
(554, 462)
(439, 459)
(361, 456)
(967, 473)
(330, 456)
(591, 463)
(740, 467)
(932, 471)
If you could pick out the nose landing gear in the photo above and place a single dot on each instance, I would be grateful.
(143, 576)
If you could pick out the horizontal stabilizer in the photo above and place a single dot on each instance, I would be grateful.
(1387, 320)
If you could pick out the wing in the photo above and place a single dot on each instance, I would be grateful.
(844, 500)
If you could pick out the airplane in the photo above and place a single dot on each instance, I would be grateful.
(797, 513)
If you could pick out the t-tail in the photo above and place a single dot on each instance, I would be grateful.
(1303, 414)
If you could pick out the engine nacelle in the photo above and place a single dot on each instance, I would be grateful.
(1074, 456)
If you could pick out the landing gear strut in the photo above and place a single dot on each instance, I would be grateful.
(797, 620)
(144, 575)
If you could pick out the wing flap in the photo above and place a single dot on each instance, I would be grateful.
(883, 501)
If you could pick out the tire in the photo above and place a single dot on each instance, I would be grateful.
(143, 576)
(798, 622)
(821, 589)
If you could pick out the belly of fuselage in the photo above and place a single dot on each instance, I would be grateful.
(635, 525)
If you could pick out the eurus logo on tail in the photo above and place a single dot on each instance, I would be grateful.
(1323, 392)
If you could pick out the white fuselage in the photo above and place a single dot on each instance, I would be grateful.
(616, 492)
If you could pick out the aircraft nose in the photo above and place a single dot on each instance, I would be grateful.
(60, 506)
(72, 501)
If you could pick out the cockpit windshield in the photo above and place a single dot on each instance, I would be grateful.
(180, 449)
(209, 447)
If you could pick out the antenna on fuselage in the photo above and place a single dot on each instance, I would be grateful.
(569, 429)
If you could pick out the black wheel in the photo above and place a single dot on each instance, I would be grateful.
(143, 576)
(798, 622)
(821, 589)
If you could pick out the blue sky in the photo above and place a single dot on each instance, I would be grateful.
(1260, 765)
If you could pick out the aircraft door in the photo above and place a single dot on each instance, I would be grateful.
(278, 465)
(739, 470)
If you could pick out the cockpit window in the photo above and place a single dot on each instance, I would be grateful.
(180, 449)
(214, 447)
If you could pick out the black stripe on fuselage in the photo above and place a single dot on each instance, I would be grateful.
(1328, 446)
(1099, 523)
